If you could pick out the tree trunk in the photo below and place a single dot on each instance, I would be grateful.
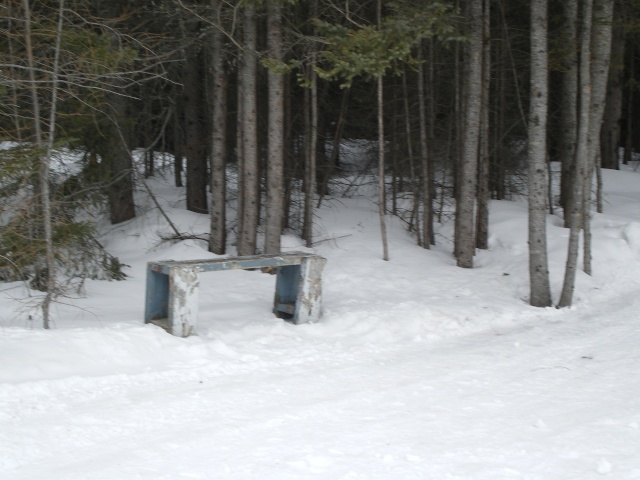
(275, 162)
(382, 202)
(425, 167)
(569, 112)
(540, 291)
(582, 152)
(468, 168)
(630, 105)
(333, 160)
(414, 172)
(178, 144)
(482, 214)
(311, 127)
(610, 133)
(194, 133)
(250, 191)
(600, 61)
(43, 200)
(117, 160)
(218, 229)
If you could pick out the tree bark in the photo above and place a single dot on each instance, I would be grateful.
(311, 127)
(218, 229)
(610, 133)
(275, 162)
(195, 133)
(250, 191)
(540, 291)
(118, 163)
(482, 213)
(569, 112)
(425, 167)
(582, 152)
(468, 168)
(600, 61)
(382, 201)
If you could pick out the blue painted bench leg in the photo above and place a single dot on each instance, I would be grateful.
(172, 300)
(157, 296)
(287, 280)
(298, 296)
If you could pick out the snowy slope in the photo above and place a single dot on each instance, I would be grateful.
(418, 369)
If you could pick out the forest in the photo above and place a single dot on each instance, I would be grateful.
(454, 104)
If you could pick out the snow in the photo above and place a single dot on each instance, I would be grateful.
(417, 370)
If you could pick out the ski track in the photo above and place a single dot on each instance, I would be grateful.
(479, 406)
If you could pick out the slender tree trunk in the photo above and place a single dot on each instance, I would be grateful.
(569, 112)
(45, 151)
(311, 153)
(275, 165)
(427, 179)
(178, 143)
(540, 291)
(610, 134)
(414, 172)
(249, 126)
(482, 213)
(582, 152)
(194, 133)
(44, 174)
(468, 167)
(311, 140)
(382, 202)
(430, 183)
(335, 146)
(12, 72)
(600, 61)
(218, 229)
(630, 104)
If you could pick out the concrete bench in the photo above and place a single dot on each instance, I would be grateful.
(172, 288)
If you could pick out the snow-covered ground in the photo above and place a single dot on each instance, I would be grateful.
(418, 369)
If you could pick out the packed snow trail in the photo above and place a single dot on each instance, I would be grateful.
(418, 369)
(549, 399)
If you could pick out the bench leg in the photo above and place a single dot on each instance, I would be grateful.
(286, 291)
(309, 295)
(183, 301)
(157, 296)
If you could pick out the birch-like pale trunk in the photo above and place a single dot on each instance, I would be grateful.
(582, 153)
(601, 35)
(382, 199)
(540, 291)
(45, 150)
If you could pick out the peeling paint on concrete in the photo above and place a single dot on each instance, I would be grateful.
(298, 288)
